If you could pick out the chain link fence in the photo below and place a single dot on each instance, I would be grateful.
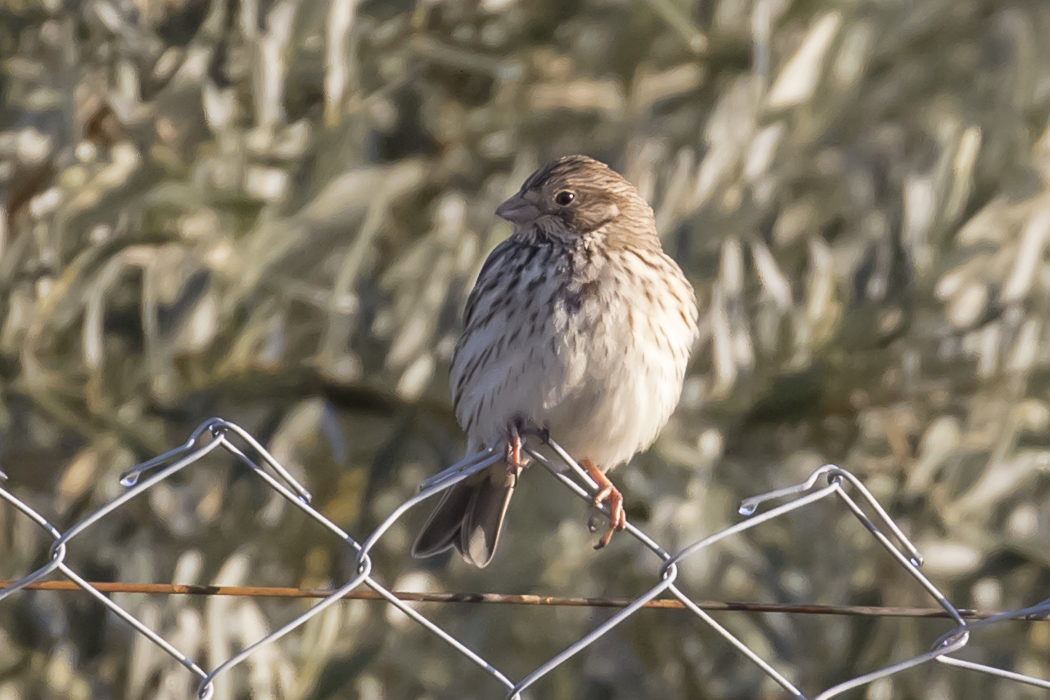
(827, 483)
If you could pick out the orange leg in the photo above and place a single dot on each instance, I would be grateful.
(514, 449)
(606, 491)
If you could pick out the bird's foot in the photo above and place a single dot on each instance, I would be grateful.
(606, 492)
(513, 456)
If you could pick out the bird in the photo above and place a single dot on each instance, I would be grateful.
(579, 327)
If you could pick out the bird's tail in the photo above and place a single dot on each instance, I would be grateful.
(469, 518)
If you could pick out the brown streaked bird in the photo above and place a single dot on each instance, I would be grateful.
(579, 324)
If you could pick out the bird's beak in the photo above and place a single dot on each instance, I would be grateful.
(518, 210)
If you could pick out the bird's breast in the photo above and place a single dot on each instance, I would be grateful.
(590, 352)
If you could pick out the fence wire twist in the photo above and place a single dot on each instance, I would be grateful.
(825, 482)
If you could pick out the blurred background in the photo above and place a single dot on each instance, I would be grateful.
(272, 211)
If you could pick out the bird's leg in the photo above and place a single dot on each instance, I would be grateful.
(513, 456)
(606, 491)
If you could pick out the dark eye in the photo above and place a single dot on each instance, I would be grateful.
(564, 198)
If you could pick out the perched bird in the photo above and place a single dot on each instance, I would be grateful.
(579, 324)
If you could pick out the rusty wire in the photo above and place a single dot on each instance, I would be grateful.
(1039, 614)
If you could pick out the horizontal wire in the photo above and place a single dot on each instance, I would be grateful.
(512, 599)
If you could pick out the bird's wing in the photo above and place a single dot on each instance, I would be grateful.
(488, 282)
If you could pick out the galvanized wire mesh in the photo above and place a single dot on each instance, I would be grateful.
(824, 483)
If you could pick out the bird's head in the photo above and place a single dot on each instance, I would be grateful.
(577, 195)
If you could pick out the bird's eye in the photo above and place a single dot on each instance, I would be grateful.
(564, 198)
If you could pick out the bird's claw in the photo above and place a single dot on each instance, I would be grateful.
(617, 515)
(606, 492)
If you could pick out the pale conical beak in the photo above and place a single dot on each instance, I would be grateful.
(518, 210)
